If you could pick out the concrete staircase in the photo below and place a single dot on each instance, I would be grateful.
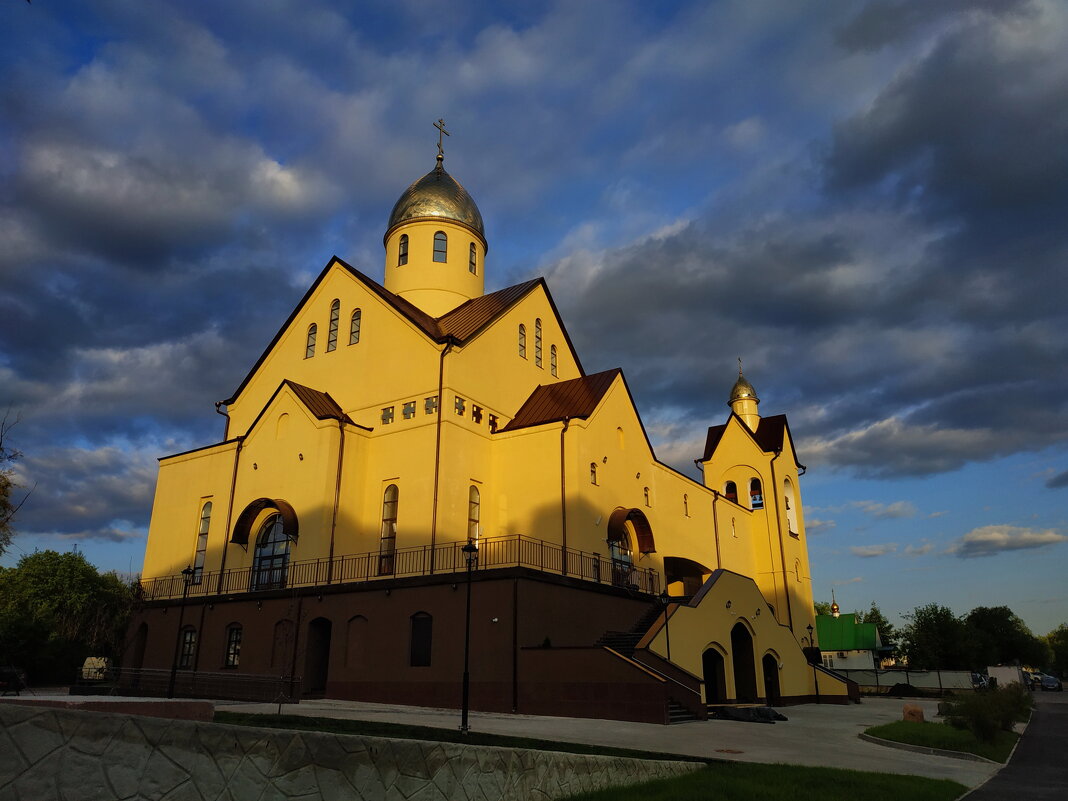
(624, 642)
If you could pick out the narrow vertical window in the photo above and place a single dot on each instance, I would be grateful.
(646, 491)
(188, 650)
(233, 646)
(335, 316)
(354, 327)
(756, 494)
(388, 544)
(593, 472)
(522, 340)
(202, 543)
(402, 250)
(472, 263)
(422, 639)
(686, 505)
(441, 247)
(309, 350)
(537, 342)
(552, 361)
(473, 513)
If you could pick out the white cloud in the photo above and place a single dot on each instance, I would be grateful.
(816, 526)
(918, 550)
(992, 540)
(870, 551)
(885, 510)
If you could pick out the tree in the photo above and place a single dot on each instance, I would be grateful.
(887, 632)
(821, 607)
(56, 609)
(8, 505)
(935, 638)
(1058, 643)
(999, 637)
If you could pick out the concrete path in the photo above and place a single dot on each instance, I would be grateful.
(1038, 770)
(814, 735)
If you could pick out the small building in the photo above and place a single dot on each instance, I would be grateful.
(846, 644)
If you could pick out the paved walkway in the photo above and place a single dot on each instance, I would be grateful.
(1038, 770)
(814, 735)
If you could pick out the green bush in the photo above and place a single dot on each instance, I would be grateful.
(984, 714)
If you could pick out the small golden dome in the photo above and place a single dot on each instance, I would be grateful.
(437, 195)
(742, 389)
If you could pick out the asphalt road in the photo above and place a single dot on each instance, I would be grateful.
(1038, 770)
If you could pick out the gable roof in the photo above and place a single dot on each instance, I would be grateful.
(770, 435)
(551, 403)
(461, 324)
(844, 633)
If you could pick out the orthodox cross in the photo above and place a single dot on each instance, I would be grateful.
(739, 359)
(440, 125)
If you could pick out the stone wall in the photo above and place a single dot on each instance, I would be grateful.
(50, 754)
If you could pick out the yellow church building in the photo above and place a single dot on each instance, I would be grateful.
(396, 440)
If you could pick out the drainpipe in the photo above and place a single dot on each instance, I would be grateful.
(563, 500)
(337, 498)
(782, 548)
(437, 452)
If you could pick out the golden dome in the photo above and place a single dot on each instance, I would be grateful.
(742, 389)
(437, 195)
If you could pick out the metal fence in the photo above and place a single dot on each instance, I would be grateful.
(493, 552)
(882, 680)
(156, 683)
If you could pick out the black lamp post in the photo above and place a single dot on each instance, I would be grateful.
(665, 599)
(187, 577)
(470, 552)
(815, 675)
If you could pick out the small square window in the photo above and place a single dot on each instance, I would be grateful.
(387, 415)
(476, 413)
(408, 410)
(460, 406)
(493, 423)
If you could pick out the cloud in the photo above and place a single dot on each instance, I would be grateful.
(870, 551)
(816, 526)
(1058, 481)
(886, 511)
(854, 580)
(993, 540)
(918, 550)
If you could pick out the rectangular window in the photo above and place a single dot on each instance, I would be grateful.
(476, 413)
(422, 636)
(408, 410)
(233, 646)
(460, 406)
(188, 649)
(493, 423)
(430, 405)
(387, 415)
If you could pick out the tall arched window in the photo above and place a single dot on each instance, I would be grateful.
(270, 563)
(791, 506)
(187, 653)
(354, 327)
(441, 247)
(387, 545)
(335, 316)
(233, 645)
(202, 543)
(472, 262)
(422, 639)
(647, 500)
(552, 361)
(402, 250)
(537, 342)
(730, 491)
(309, 350)
(473, 513)
(756, 494)
(797, 569)
(522, 340)
(593, 472)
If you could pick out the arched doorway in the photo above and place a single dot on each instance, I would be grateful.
(317, 656)
(771, 680)
(715, 675)
(744, 663)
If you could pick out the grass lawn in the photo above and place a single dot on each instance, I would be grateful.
(941, 735)
(743, 781)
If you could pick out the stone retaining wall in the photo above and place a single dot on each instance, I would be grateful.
(50, 754)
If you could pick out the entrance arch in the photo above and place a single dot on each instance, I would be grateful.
(715, 675)
(317, 656)
(771, 679)
(744, 664)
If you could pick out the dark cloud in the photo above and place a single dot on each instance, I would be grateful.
(1058, 481)
(883, 22)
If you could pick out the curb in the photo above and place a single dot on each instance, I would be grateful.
(923, 749)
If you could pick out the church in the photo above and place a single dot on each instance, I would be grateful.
(415, 471)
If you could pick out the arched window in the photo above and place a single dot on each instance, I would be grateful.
(797, 569)
(271, 560)
(354, 326)
(552, 361)
(522, 340)
(309, 351)
(537, 342)
(441, 247)
(335, 316)
(472, 263)
(646, 491)
(187, 651)
(233, 645)
(756, 494)
(791, 507)
(402, 250)
(593, 472)
(473, 512)
(202, 544)
(387, 545)
(422, 639)
(686, 505)
(730, 491)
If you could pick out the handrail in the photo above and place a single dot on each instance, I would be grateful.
(671, 679)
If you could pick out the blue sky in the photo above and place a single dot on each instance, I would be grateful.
(865, 201)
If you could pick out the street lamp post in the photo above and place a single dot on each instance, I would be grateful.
(470, 552)
(187, 576)
(665, 599)
(815, 675)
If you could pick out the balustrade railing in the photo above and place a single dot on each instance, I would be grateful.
(493, 552)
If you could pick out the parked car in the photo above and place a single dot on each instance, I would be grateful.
(1051, 683)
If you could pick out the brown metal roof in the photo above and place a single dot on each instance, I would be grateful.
(715, 434)
(577, 397)
(770, 435)
(319, 403)
(468, 319)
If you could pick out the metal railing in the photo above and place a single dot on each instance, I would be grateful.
(493, 552)
(155, 683)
